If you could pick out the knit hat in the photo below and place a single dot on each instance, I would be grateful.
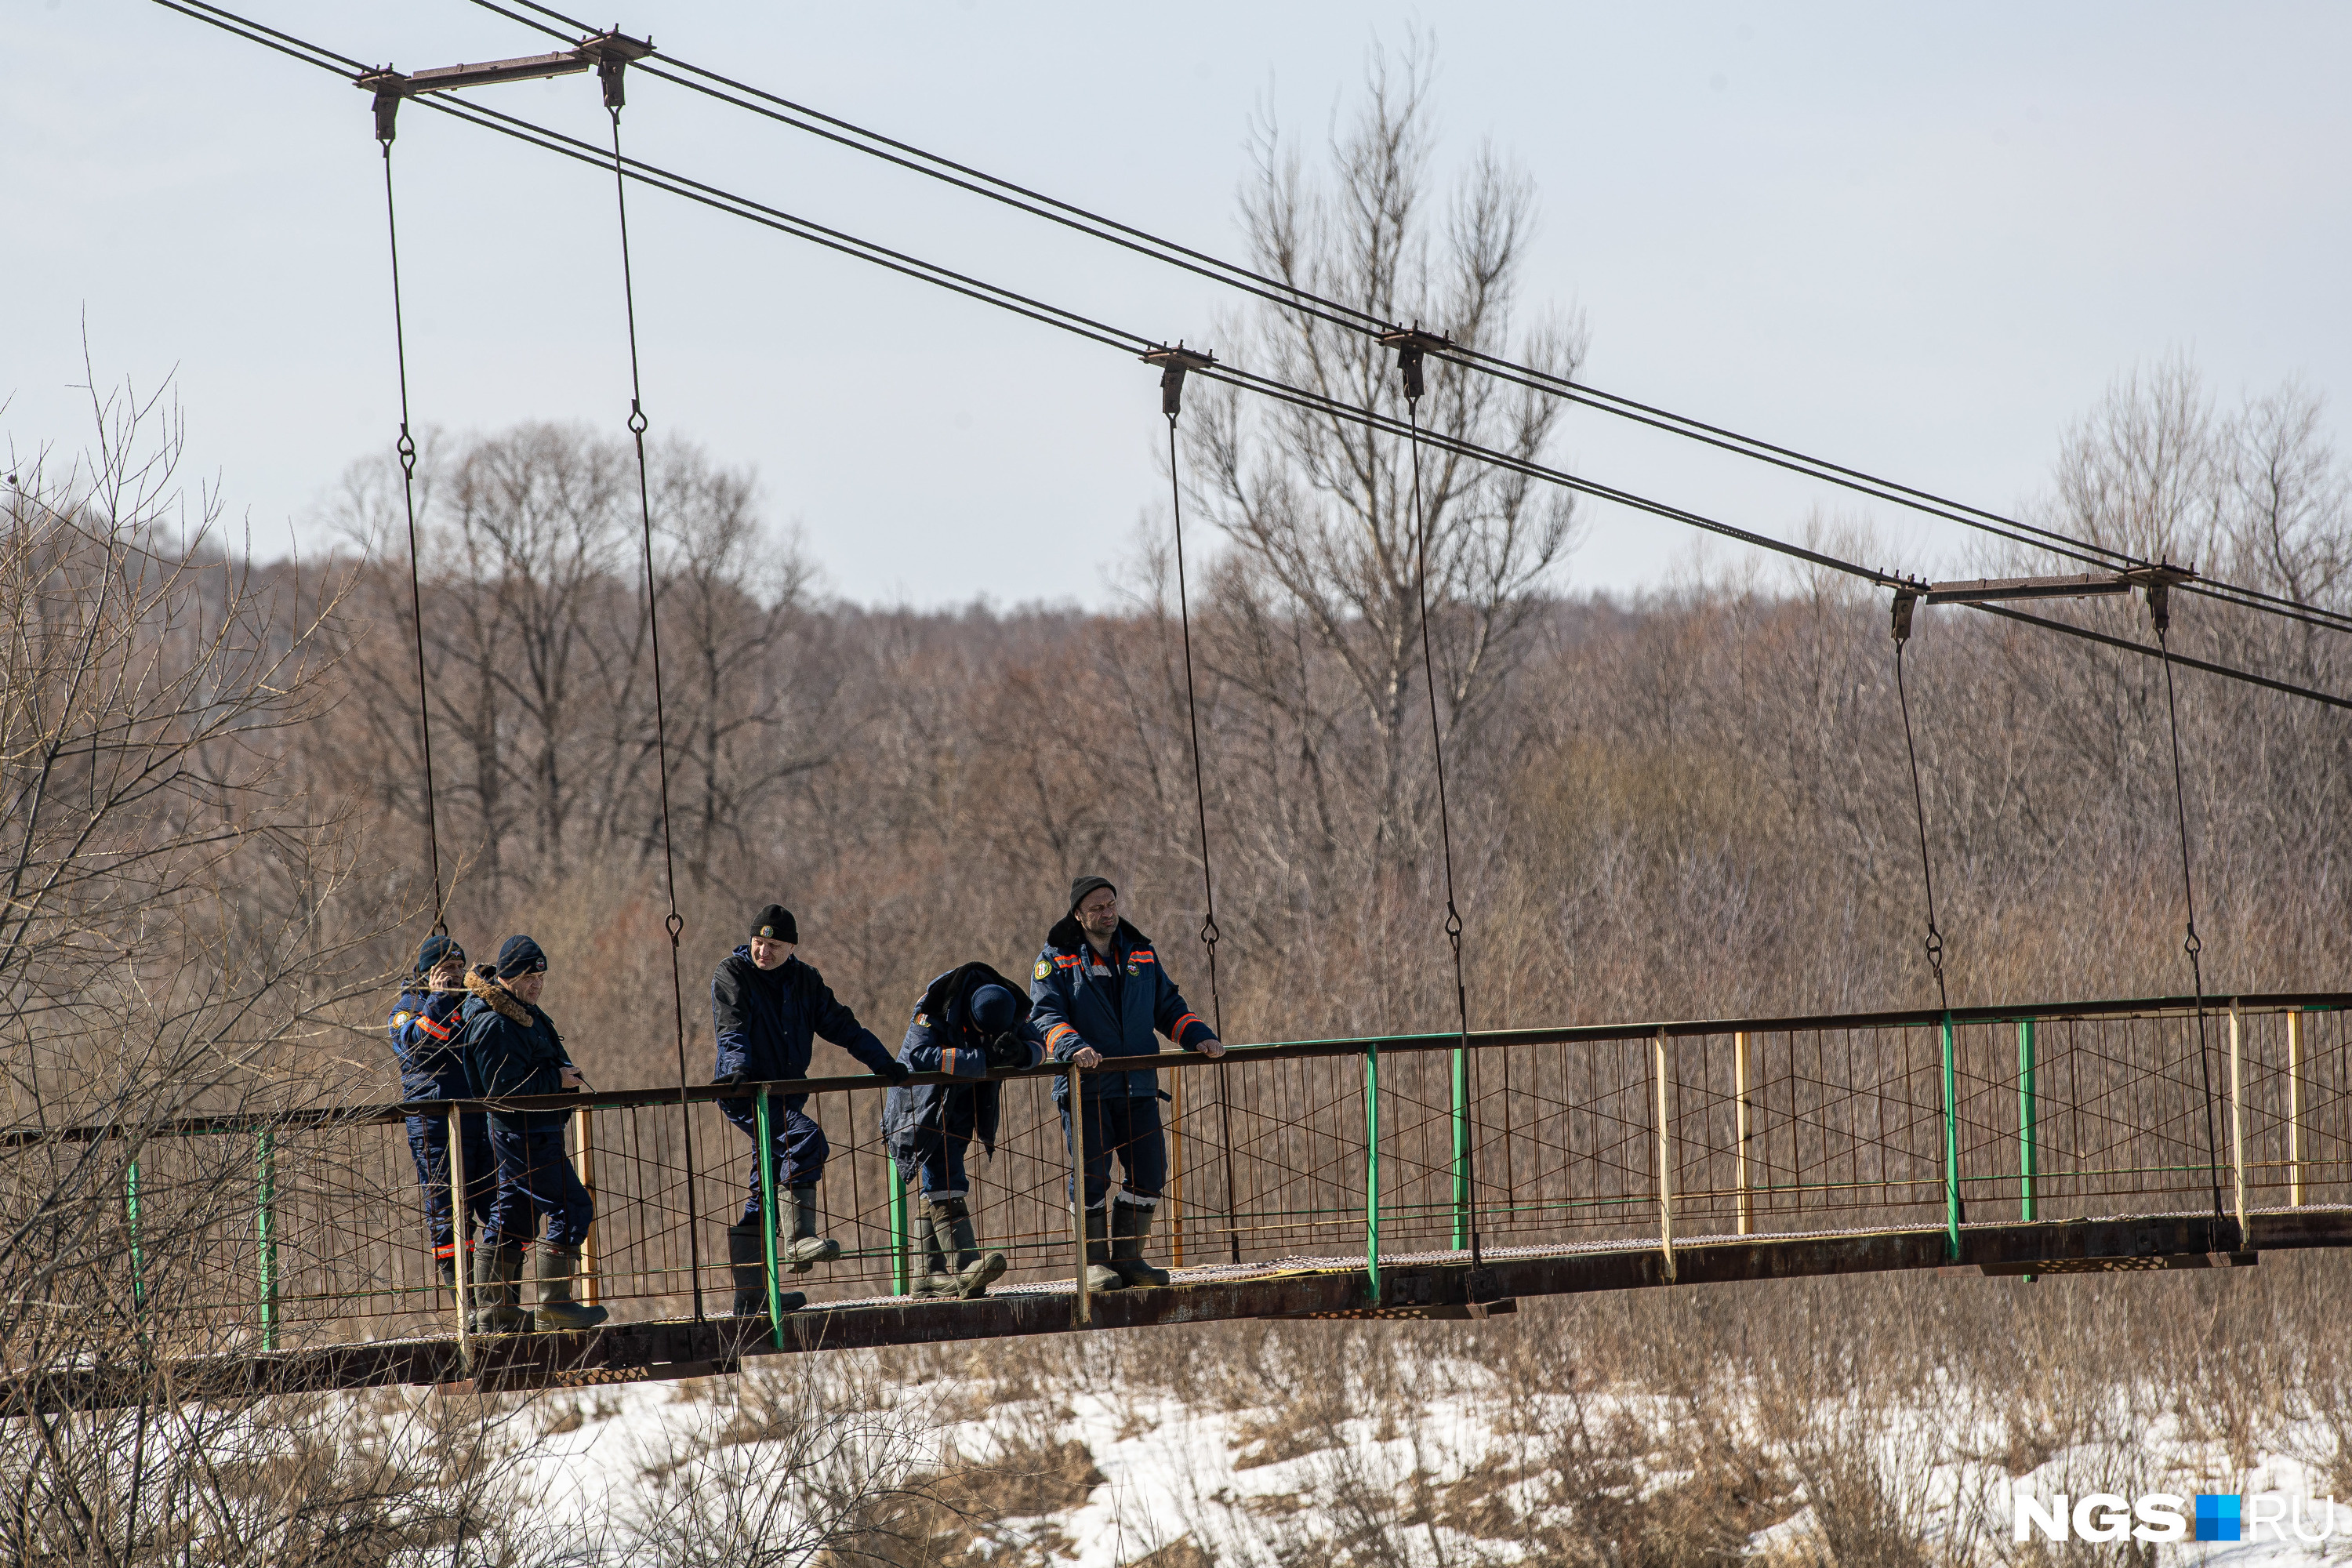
(993, 1010)
(520, 955)
(775, 923)
(1083, 886)
(438, 950)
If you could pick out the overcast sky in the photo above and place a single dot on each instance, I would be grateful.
(1915, 239)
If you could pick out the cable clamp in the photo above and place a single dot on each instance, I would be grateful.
(611, 53)
(1905, 598)
(389, 87)
(1174, 362)
(2157, 582)
(1411, 343)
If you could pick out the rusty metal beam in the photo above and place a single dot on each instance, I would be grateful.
(627, 1352)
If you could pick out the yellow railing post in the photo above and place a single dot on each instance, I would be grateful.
(2238, 1122)
(584, 1163)
(1666, 1159)
(1739, 1110)
(2295, 1107)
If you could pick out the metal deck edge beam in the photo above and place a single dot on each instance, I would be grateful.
(642, 1351)
(1281, 1050)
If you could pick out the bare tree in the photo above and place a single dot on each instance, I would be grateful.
(1318, 510)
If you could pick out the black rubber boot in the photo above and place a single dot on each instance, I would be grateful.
(927, 1273)
(807, 1248)
(747, 1266)
(1100, 1275)
(497, 1289)
(1130, 1225)
(972, 1271)
(558, 1312)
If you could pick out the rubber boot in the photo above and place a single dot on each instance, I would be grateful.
(807, 1248)
(928, 1271)
(558, 1312)
(1100, 1275)
(1131, 1224)
(497, 1289)
(747, 1267)
(974, 1272)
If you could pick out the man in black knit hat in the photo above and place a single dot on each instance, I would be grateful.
(513, 1052)
(1100, 995)
(766, 1009)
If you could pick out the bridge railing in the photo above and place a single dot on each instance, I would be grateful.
(245, 1232)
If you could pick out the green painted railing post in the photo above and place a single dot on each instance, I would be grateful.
(1461, 1148)
(265, 1234)
(768, 1217)
(899, 1264)
(2028, 1161)
(138, 1254)
(1951, 1150)
(1372, 1171)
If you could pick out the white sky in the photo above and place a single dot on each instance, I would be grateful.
(1915, 239)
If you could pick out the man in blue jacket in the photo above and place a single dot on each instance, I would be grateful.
(424, 1032)
(1100, 993)
(766, 1007)
(513, 1051)
(968, 1023)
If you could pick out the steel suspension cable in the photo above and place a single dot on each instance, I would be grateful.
(1934, 943)
(2190, 945)
(675, 923)
(1291, 296)
(407, 449)
(1444, 822)
(1209, 932)
(1096, 331)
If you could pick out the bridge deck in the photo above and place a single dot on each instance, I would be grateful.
(1421, 1285)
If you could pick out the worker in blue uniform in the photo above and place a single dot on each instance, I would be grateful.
(968, 1023)
(766, 1009)
(1100, 993)
(424, 1032)
(513, 1051)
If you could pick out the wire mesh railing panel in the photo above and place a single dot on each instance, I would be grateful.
(277, 1234)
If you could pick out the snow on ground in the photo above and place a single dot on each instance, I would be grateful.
(1154, 1474)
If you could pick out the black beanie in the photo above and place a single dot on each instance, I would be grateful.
(993, 1010)
(775, 922)
(437, 949)
(1082, 886)
(520, 955)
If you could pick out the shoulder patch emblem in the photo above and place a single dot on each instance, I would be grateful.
(1044, 969)
(922, 1020)
(401, 1019)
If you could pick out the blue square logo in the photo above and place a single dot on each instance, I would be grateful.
(2217, 1516)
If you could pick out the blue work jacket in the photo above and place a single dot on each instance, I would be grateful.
(512, 1049)
(766, 1021)
(1076, 1008)
(941, 1037)
(424, 1029)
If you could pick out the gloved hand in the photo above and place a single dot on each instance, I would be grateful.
(1008, 1050)
(727, 1079)
(898, 1071)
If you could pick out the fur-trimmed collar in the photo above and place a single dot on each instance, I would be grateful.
(504, 1002)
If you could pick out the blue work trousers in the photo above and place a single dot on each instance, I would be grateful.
(428, 1144)
(931, 1163)
(1129, 1127)
(536, 1178)
(801, 1148)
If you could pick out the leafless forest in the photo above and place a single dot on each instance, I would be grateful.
(1693, 804)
